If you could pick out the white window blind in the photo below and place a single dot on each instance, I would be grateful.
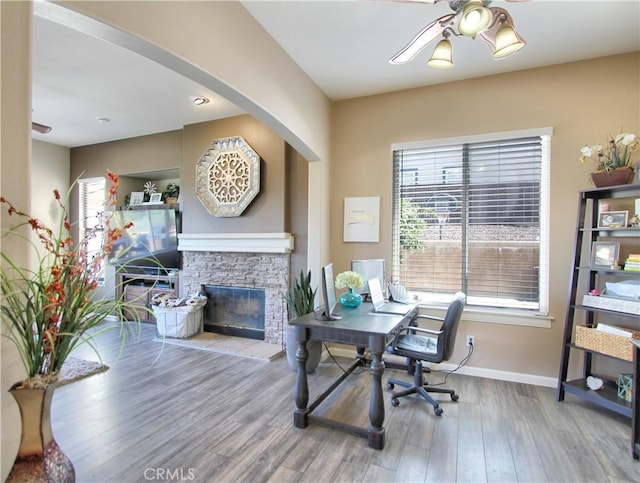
(92, 204)
(472, 216)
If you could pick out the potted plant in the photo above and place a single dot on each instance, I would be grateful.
(613, 161)
(301, 301)
(49, 308)
(171, 192)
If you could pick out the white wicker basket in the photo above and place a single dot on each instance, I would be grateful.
(178, 322)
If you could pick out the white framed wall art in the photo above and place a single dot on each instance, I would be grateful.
(362, 219)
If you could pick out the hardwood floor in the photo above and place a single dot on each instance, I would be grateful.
(176, 414)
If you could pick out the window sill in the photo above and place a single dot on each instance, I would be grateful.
(489, 316)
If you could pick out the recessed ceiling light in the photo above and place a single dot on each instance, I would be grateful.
(103, 119)
(199, 100)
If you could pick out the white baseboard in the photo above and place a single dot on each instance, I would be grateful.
(472, 371)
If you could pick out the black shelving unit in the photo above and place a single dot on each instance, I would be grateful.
(587, 232)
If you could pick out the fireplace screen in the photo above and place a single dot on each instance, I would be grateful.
(235, 311)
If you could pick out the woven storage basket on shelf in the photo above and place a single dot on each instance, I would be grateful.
(610, 344)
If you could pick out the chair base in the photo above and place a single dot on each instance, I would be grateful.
(409, 366)
(419, 386)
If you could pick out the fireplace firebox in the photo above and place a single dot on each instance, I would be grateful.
(236, 311)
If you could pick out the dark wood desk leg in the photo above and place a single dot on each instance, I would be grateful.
(376, 405)
(302, 386)
(635, 405)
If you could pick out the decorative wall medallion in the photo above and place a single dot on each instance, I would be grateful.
(228, 177)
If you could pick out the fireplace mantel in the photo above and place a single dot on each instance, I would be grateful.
(236, 242)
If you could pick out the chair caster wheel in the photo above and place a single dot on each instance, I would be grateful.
(438, 411)
(395, 402)
(390, 385)
(455, 397)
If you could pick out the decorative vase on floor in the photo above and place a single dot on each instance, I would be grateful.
(612, 178)
(39, 456)
(350, 299)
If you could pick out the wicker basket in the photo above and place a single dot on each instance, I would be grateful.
(605, 343)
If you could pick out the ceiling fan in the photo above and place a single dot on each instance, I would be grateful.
(41, 128)
(471, 18)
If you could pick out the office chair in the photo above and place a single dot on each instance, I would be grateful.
(420, 345)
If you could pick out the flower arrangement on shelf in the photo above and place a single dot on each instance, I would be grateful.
(51, 307)
(613, 155)
(352, 280)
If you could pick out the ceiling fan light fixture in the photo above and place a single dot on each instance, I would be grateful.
(41, 128)
(442, 57)
(507, 42)
(475, 18)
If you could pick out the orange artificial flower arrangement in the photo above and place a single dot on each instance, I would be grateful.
(51, 309)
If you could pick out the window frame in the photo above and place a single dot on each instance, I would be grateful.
(535, 318)
(83, 229)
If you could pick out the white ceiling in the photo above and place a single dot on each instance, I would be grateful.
(344, 46)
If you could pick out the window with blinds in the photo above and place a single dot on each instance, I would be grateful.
(472, 217)
(92, 194)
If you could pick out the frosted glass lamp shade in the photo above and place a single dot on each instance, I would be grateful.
(507, 42)
(475, 18)
(442, 56)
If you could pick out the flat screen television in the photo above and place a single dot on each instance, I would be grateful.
(151, 244)
(328, 294)
(373, 268)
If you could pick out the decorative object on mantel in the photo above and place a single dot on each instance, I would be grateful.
(48, 309)
(613, 161)
(149, 188)
(301, 301)
(352, 281)
(171, 193)
(228, 177)
(136, 198)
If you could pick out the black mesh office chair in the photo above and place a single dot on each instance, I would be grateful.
(419, 345)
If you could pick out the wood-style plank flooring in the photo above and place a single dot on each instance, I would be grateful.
(176, 414)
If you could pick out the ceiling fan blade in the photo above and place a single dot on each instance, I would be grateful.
(431, 2)
(41, 128)
(423, 38)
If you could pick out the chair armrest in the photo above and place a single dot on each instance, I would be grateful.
(428, 317)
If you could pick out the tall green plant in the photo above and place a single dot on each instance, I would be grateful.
(301, 297)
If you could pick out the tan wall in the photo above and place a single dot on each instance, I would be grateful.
(582, 101)
(266, 212)
(128, 156)
(15, 172)
(297, 203)
(280, 206)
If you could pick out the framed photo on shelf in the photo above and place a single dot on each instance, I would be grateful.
(137, 197)
(604, 254)
(613, 219)
(155, 198)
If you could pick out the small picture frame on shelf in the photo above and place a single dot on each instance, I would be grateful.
(137, 197)
(155, 198)
(613, 219)
(604, 254)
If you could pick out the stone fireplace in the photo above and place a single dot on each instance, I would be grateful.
(245, 261)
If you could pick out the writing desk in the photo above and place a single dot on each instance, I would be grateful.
(360, 327)
(635, 401)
